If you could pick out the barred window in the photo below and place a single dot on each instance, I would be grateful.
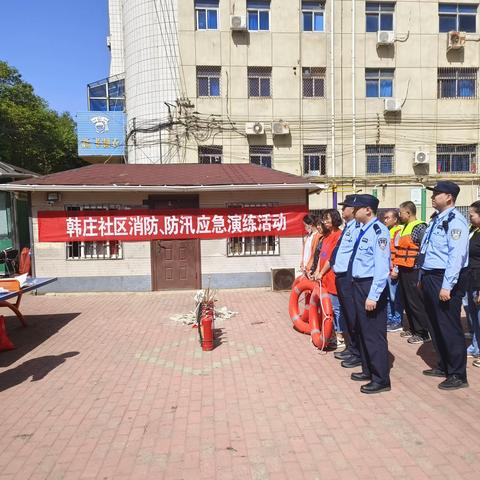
(261, 155)
(208, 81)
(258, 12)
(313, 16)
(379, 82)
(380, 159)
(212, 154)
(259, 81)
(456, 158)
(379, 16)
(206, 14)
(253, 246)
(457, 17)
(103, 250)
(457, 83)
(314, 160)
(313, 80)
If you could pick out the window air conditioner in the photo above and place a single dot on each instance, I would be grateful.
(282, 278)
(280, 128)
(392, 105)
(238, 22)
(421, 158)
(456, 40)
(254, 128)
(385, 37)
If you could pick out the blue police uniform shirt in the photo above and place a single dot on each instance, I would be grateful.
(445, 245)
(372, 258)
(345, 249)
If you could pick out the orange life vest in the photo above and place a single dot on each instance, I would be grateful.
(394, 231)
(406, 249)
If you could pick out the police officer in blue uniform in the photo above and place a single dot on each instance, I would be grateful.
(369, 268)
(443, 260)
(351, 356)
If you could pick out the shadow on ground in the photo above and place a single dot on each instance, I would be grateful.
(36, 368)
(40, 328)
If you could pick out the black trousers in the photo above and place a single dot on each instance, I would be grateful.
(373, 332)
(344, 290)
(413, 301)
(444, 322)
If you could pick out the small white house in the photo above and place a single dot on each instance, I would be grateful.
(162, 264)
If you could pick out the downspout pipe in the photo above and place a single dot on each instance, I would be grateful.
(354, 126)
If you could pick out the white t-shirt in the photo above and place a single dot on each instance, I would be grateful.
(307, 249)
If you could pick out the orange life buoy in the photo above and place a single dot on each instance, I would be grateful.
(308, 294)
(320, 331)
(303, 285)
(25, 261)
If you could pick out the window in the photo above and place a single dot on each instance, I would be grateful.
(259, 81)
(258, 13)
(206, 14)
(313, 80)
(379, 82)
(252, 246)
(379, 16)
(456, 158)
(105, 250)
(212, 154)
(379, 159)
(107, 95)
(457, 83)
(261, 155)
(208, 81)
(457, 17)
(314, 159)
(313, 13)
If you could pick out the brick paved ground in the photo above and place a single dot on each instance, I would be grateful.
(107, 387)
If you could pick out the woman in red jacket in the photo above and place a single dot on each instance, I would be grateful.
(331, 222)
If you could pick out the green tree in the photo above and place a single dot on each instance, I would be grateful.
(33, 136)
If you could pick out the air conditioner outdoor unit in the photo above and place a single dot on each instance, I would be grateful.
(280, 128)
(456, 40)
(421, 158)
(238, 22)
(392, 105)
(385, 37)
(254, 128)
(282, 278)
(313, 173)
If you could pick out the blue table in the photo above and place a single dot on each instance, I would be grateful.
(32, 284)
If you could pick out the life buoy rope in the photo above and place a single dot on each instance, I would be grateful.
(300, 320)
(320, 335)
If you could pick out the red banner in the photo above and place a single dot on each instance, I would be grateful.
(136, 225)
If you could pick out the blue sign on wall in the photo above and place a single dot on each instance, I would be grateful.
(101, 133)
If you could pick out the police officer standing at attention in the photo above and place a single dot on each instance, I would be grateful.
(369, 268)
(339, 262)
(443, 258)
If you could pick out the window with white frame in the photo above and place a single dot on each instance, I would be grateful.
(455, 158)
(206, 14)
(253, 246)
(208, 81)
(380, 159)
(211, 154)
(314, 159)
(379, 16)
(261, 155)
(457, 17)
(258, 15)
(457, 82)
(259, 82)
(313, 82)
(379, 82)
(102, 250)
(313, 16)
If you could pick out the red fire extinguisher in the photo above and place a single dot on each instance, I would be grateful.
(206, 325)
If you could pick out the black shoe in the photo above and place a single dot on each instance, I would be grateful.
(453, 382)
(434, 372)
(374, 387)
(360, 377)
(342, 355)
(351, 363)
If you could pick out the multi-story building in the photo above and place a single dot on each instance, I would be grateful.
(366, 96)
